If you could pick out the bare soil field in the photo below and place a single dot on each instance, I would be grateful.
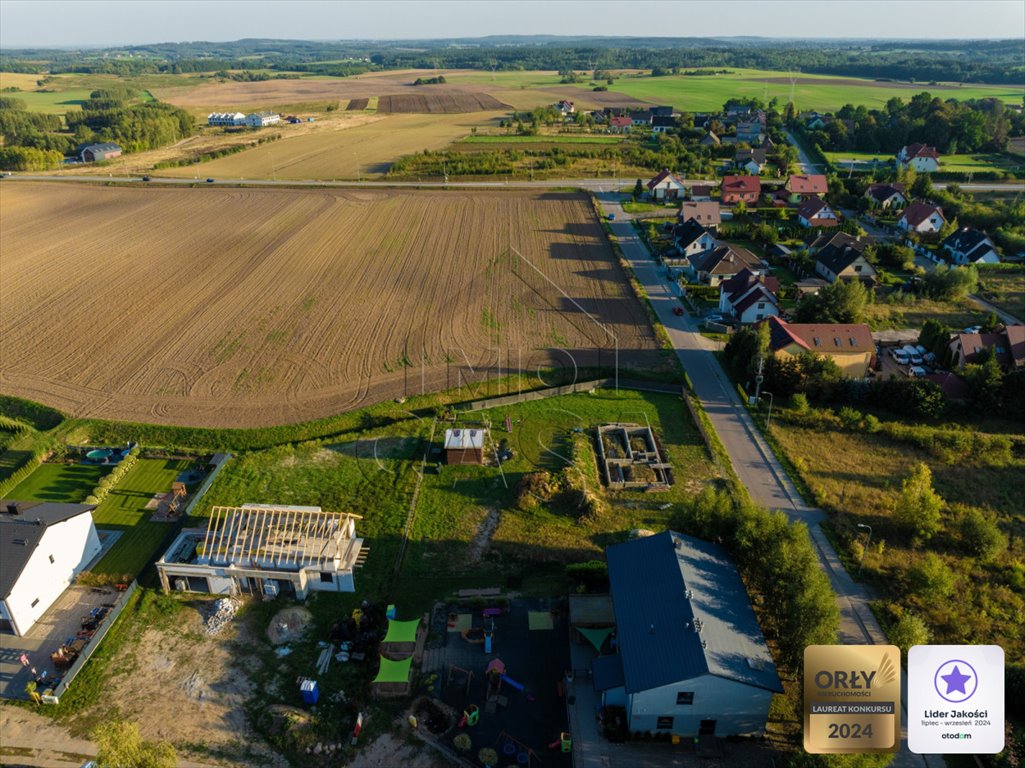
(846, 81)
(219, 307)
(434, 103)
(585, 97)
(357, 104)
(346, 146)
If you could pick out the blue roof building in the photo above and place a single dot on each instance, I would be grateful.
(692, 659)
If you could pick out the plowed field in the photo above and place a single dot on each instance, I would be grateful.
(439, 103)
(219, 307)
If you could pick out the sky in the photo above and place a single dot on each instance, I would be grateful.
(72, 23)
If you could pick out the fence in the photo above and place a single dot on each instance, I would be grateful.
(92, 645)
(720, 457)
(569, 389)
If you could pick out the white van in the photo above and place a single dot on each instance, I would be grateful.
(899, 356)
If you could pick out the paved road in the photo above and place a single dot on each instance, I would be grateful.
(592, 185)
(756, 465)
(803, 159)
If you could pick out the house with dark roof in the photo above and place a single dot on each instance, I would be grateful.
(663, 110)
(640, 116)
(922, 217)
(666, 185)
(741, 188)
(43, 547)
(662, 123)
(692, 660)
(706, 213)
(748, 297)
(95, 153)
(920, 157)
(971, 246)
(815, 212)
(886, 195)
(722, 263)
(701, 192)
(692, 240)
(709, 140)
(842, 257)
(750, 160)
(750, 131)
(850, 345)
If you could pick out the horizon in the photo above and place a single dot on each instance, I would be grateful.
(29, 25)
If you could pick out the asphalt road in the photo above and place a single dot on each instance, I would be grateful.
(756, 465)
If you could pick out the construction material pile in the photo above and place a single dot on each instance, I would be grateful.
(224, 611)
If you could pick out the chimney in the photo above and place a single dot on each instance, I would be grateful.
(12, 508)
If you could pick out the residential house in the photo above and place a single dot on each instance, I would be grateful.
(814, 212)
(566, 108)
(849, 345)
(1008, 346)
(814, 121)
(226, 118)
(95, 153)
(748, 297)
(43, 547)
(842, 257)
(691, 658)
(922, 217)
(751, 132)
(706, 213)
(735, 111)
(619, 124)
(691, 239)
(723, 262)
(662, 123)
(666, 185)
(662, 110)
(952, 385)
(710, 140)
(802, 186)
(701, 192)
(262, 119)
(971, 246)
(640, 117)
(750, 160)
(920, 157)
(736, 189)
(886, 195)
(265, 549)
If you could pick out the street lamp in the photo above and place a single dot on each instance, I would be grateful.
(868, 528)
(768, 419)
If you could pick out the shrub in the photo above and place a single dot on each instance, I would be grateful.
(850, 417)
(462, 742)
(800, 402)
(931, 579)
(917, 509)
(908, 631)
(980, 535)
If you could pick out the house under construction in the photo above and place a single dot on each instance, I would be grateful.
(265, 549)
(630, 458)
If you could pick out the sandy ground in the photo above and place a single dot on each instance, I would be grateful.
(389, 752)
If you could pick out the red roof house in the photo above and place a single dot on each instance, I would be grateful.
(738, 188)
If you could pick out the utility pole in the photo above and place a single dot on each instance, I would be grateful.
(759, 378)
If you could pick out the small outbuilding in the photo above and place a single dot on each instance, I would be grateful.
(95, 153)
(464, 446)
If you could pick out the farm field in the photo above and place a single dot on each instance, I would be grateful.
(347, 148)
(66, 92)
(811, 92)
(311, 303)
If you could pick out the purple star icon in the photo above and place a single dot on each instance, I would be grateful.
(955, 681)
(960, 686)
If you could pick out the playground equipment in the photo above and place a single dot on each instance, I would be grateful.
(564, 742)
(471, 716)
(511, 747)
(468, 674)
(489, 635)
(509, 681)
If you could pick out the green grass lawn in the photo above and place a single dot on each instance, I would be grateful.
(961, 163)
(56, 102)
(632, 206)
(708, 92)
(124, 510)
(1004, 287)
(59, 482)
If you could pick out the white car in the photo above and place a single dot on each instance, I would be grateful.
(899, 356)
(916, 370)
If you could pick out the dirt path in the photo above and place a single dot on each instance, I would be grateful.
(481, 542)
(389, 752)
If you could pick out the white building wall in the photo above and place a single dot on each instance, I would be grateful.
(736, 708)
(72, 544)
(754, 313)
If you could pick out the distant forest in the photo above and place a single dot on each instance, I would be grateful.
(991, 61)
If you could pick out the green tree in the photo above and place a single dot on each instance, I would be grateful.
(931, 579)
(120, 745)
(951, 283)
(908, 631)
(990, 323)
(921, 187)
(985, 380)
(841, 302)
(638, 189)
(740, 209)
(948, 228)
(917, 510)
(980, 534)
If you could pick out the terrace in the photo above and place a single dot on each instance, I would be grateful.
(629, 457)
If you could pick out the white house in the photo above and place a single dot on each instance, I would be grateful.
(43, 547)
(750, 160)
(566, 108)
(886, 195)
(971, 246)
(666, 186)
(262, 119)
(265, 549)
(749, 297)
(691, 239)
(692, 660)
(920, 157)
(226, 118)
(815, 212)
(922, 217)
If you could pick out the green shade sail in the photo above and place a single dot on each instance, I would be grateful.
(394, 671)
(596, 636)
(401, 631)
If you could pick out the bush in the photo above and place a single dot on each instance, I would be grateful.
(917, 509)
(931, 579)
(980, 535)
(908, 631)
(800, 402)
(592, 575)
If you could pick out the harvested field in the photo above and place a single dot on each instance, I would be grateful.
(219, 307)
(356, 104)
(433, 103)
(585, 97)
(851, 81)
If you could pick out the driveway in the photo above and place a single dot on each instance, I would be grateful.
(757, 467)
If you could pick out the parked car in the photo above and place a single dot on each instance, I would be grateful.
(678, 311)
(899, 356)
(145, 178)
(916, 370)
(612, 216)
(972, 329)
(209, 181)
(913, 354)
(929, 358)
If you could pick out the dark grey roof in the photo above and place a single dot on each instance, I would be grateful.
(664, 588)
(838, 251)
(106, 146)
(688, 232)
(607, 672)
(966, 240)
(663, 121)
(20, 534)
(726, 260)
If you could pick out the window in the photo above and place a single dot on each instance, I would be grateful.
(664, 723)
(35, 602)
(52, 561)
(761, 305)
(818, 342)
(857, 267)
(327, 577)
(684, 697)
